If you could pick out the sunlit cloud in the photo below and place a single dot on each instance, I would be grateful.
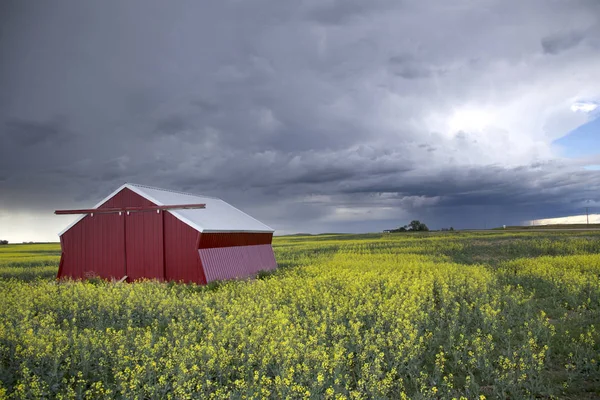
(572, 219)
(584, 107)
(470, 120)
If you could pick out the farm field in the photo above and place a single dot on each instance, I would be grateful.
(420, 316)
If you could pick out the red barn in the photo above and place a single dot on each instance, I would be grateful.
(145, 232)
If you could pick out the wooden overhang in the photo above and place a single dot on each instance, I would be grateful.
(130, 209)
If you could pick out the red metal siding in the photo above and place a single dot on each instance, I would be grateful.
(229, 255)
(181, 254)
(144, 243)
(127, 198)
(94, 246)
(228, 239)
(236, 262)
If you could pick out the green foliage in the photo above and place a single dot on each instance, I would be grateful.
(417, 226)
(425, 316)
(414, 226)
(263, 274)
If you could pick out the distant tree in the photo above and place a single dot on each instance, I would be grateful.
(416, 225)
(451, 229)
(3, 241)
(413, 226)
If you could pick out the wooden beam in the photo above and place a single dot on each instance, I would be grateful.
(130, 209)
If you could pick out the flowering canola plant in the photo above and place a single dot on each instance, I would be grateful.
(464, 316)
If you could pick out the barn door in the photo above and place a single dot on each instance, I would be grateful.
(144, 245)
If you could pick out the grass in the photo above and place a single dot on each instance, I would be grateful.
(430, 315)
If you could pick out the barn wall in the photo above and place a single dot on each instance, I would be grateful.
(236, 262)
(230, 255)
(227, 239)
(181, 254)
(95, 245)
(144, 245)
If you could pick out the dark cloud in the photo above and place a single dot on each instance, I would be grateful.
(172, 125)
(408, 67)
(206, 106)
(336, 12)
(558, 43)
(312, 116)
(143, 100)
(29, 133)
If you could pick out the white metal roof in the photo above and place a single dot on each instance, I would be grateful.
(218, 216)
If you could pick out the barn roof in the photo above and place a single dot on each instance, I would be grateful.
(218, 216)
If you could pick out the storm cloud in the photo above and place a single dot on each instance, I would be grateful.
(561, 42)
(312, 116)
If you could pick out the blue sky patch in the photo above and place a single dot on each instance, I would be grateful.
(581, 142)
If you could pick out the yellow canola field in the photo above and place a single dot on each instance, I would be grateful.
(435, 316)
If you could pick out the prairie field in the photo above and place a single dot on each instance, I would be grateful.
(420, 316)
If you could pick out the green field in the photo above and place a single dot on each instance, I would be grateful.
(29, 261)
(423, 316)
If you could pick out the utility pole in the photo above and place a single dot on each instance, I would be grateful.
(587, 215)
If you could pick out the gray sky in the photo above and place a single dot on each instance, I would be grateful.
(312, 116)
